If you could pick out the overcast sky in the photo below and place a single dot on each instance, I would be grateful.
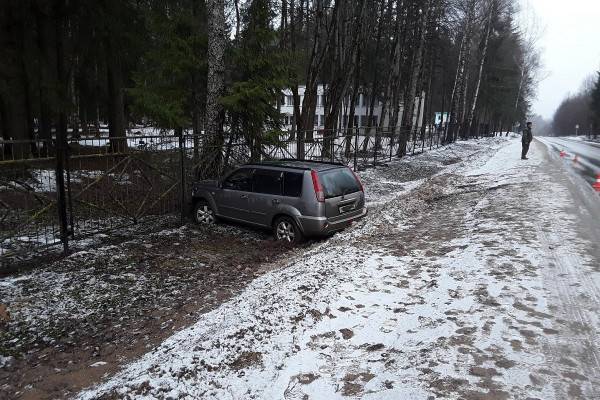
(570, 47)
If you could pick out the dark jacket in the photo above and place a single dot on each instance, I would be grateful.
(527, 136)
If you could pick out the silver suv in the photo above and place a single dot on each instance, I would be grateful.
(294, 198)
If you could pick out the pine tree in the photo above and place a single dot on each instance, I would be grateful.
(259, 76)
(167, 79)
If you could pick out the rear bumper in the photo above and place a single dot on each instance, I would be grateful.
(318, 226)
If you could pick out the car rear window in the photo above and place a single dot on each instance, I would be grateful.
(267, 181)
(338, 182)
(292, 184)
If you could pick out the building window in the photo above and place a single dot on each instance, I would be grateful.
(289, 100)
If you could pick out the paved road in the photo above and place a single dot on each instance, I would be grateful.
(584, 156)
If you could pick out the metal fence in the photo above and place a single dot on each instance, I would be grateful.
(110, 183)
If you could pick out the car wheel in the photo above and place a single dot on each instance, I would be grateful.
(286, 230)
(204, 214)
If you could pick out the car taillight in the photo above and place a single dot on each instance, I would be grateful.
(318, 188)
(362, 189)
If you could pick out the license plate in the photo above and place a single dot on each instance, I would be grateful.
(345, 209)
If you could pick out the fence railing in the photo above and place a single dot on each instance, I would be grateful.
(113, 182)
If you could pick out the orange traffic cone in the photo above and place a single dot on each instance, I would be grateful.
(596, 185)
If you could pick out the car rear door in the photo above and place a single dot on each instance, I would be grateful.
(343, 192)
(232, 199)
(266, 196)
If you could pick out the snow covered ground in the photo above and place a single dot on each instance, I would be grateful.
(475, 276)
(475, 284)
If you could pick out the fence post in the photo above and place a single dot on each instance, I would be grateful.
(355, 149)
(332, 145)
(375, 149)
(61, 203)
(68, 168)
(182, 168)
(391, 141)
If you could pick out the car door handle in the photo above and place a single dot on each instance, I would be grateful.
(275, 201)
(244, 196)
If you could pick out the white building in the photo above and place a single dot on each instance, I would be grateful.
(361, 112)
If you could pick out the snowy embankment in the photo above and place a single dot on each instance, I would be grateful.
(443, 291)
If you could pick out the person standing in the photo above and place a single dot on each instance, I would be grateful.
(526, 141)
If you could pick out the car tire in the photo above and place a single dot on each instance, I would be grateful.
(286, 230)
(204, 214)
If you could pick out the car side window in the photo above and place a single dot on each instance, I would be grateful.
(267, 181)
(239, 180)
(292, 184)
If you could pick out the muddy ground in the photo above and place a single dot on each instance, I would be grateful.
(78, 319)
(104, 306)
(479, 283)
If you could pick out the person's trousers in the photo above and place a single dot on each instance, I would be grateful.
(525, 150)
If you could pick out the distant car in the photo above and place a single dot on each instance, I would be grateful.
(296, 199)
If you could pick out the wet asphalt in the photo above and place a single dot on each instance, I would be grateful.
(582, 156)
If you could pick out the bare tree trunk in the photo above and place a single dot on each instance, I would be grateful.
(398, 62)
(283, 38)
(375, 84)
(322, 37)
(350, 126)
(46, 74)
(116, 107)
(460, 84)
(521, 80)
(481, 64)
(238, 20)
(215, 86)
(394, 71)
(344, 62)
(408, 112)
(196, 103)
